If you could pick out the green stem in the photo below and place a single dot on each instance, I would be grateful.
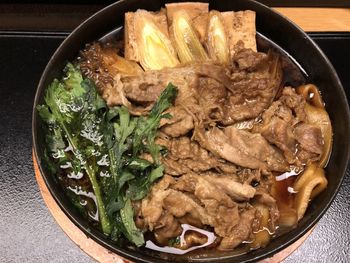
(105, 224)
(112, 165)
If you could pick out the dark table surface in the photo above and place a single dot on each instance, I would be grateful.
(28, 233)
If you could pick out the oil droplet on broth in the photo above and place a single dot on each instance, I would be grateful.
(58, 154)
(95, 153)
(79, 191)
(103, 161)
(74, 175)
(90, 133)
(83, 202)
(66, 165)
(105, 174)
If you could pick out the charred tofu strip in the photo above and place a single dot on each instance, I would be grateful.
(244, 28)
(147, 40)
(241, 27)
(198, 13)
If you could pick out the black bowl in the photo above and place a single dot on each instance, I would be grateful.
(291, 41)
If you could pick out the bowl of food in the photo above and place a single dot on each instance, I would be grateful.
(191, 131)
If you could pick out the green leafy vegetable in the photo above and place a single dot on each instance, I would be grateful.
(146, 129)
(131, 231)
(71, 115)
(139, 187)
(174, 241)
(86, 139)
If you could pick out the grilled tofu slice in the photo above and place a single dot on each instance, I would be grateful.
(240, 27)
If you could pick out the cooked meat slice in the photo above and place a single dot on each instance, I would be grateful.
(257, 146)
(280, 133)
(185, 156)
(296, 103)
(247, 59)
(208, 92)
(218, 143)
(205, 190)
(242, 148)
(212, 98)
(198, 13)
(218, 205)
(232, 188)
(179, 124)
(168, 227)
(240, 232)
(149, 85)
(151, 207)
(200, 200)
(264, 198)
(310, 140)
(285, 125)
(310, 137)
(226, 218)
(249, 176)
(191, 220)
(179, 204)
(254, 86)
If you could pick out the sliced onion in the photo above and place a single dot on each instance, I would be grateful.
(308, 185)
(317, 115)
(311, 94)
(320, 118)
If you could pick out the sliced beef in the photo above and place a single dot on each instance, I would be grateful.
(247, 59)
(185, 156)
(149, 85)
(250, 176)
(263, 197)
(208, 92)
(179, 124)
(200, 200)
(232, 188)
(255, 84)
(280, 133)
(240, 232)
(105, 68)
(310, 141)
(285, 125)
(167, 228)
(242, 148)
(211, 98)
